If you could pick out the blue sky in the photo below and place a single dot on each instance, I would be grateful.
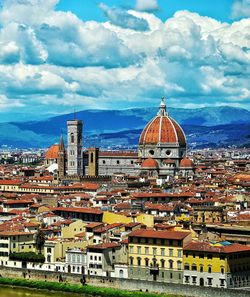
(88, 9)
(61, 55)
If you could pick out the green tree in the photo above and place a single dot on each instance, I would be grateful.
(39, 240)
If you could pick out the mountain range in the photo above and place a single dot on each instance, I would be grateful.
(204, 127)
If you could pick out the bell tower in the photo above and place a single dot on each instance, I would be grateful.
(75, 157)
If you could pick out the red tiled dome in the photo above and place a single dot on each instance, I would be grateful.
(52, 152)
(186, 163)
(149, 163)
(162, 129)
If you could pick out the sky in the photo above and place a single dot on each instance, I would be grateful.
(57, 56)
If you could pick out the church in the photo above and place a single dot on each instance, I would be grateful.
(161, 152)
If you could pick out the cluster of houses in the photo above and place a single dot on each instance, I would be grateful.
(191, 230)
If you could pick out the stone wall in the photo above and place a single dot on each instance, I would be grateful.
(148, 286)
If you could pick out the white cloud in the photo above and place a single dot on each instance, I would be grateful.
(240, 8)
(53, 60)
(7, 104)
(146, 5)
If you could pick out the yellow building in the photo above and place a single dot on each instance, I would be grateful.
(76, 227)
(16, 242)
(55, 250)
(156, 255)
(221, 265)
(111, 217)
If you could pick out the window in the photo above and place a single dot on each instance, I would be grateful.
(222, 282)
(103, 162)
(186, 266)
(146, 250)
(186, 279)
(194, 279)
(72, 139)
(138, 250)
(170, 252)
(179, 253)
(222, 270)
(210, 281)
(48, 250)
(162, 252)
(131, 260)
(194, 267)
(146, 262)
(170, 242)
(201, 268)
(179, 265)
(139, 261)
(154, 251)
(91, 157)
(131, 250)
(117, 162)
(170, 264)
(162, 263)
(209, 269)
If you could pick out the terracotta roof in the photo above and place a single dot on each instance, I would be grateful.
(207, 247)
(162, 129)
(103, 246)
(10, 202)
(161, 234)
(15, 233)
(10, 182)
(186, 163)
(79, 209)
(149, 163)
(52, 152)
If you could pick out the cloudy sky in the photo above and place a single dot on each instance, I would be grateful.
(57, 56)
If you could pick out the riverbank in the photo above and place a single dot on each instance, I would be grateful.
(77, 289)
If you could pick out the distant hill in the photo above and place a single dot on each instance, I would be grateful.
(203, 126)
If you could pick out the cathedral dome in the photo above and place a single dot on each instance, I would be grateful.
(186, 163)
(149, 163)
(162, 129)
(52, 152)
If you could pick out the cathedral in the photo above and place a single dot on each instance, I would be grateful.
(161, 152)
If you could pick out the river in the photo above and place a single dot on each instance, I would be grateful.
(23, 292)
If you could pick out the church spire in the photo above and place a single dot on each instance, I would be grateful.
(162, 110)
(61, 145)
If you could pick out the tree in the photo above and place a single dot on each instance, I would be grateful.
(39, 240)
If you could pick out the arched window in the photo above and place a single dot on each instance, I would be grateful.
(171, 264)
(146, 262)
(121, 274)
(201, 268)
(209, 269)
(72, 138)
(222, 270)
(194, 267)
(131, 260)
(162, 263)
(139, 261)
